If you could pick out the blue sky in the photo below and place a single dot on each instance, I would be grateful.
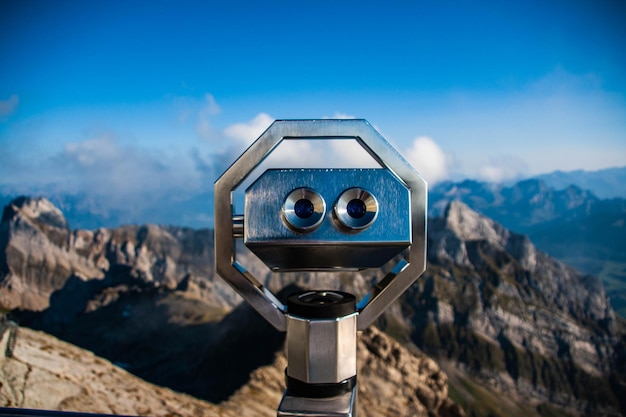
(119, 98)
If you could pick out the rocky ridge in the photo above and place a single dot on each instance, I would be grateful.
(570, 223)
(46, 373)
(40, 254)
(515, 319)
(503, 318)
(145, 297)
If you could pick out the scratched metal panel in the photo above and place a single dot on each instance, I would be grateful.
(267, 233)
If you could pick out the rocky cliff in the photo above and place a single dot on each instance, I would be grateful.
(40, 255)
(146, 298)
(506, 315)
(570, 224)
(43, 372)
(517, 332)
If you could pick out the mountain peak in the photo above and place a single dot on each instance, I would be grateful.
(39, 210)
(467, 224)
(450, 234)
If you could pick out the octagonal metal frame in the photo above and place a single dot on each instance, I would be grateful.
(252, 291)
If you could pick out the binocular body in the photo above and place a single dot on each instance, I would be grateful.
(322, 220)
(327, 219)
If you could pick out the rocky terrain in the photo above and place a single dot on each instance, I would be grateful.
(517, 332)
(570, 223)
(507, 315)
(145, 298)
(46, 373)
(43, 372)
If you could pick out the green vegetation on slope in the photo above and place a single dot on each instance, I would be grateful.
(612, 274)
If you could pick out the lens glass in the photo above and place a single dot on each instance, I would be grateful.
(320, 297)
(303, 208)
(356, 208)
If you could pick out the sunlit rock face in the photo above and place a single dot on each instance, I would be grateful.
(40, 255)
(508, 324)
(512, 317)
(36, 258)
(146, 297)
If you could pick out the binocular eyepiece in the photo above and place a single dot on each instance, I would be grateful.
(354, 210)
(327, 219)
(304, 209)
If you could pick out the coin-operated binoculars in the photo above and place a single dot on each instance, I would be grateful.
(322, 220)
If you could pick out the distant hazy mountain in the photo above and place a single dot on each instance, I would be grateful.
(567, 222)
(605, 183)
(518, 333)
(84, 211)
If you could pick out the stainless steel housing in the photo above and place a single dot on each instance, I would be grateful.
(321, 351)
(248, 286)
(335, 241)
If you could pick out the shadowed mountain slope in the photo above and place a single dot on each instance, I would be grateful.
(504, 319)
(571, 224)
(496, 309)
(145, 297)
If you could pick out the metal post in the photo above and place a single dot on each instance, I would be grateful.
(330, 220)
(321, 355)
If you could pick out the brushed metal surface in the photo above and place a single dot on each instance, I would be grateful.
(321, 351)
(381, 151)
(330, 245)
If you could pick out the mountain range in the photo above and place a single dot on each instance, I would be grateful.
(514, 331)
(570, 224)
(578, 217)
(605, 183)
(146, 298)
(85, 210)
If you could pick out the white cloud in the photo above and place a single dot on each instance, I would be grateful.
(428, 159)
(350, 154)
(312, 153)
(124, 173)
(8, 106)
(92, 151)
(296, 154)
(248, 132)
(203, 128)
(201, 111)
(503, 168)
(211, 107)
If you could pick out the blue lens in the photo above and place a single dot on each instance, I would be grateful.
(303, 208)
(356, 208)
